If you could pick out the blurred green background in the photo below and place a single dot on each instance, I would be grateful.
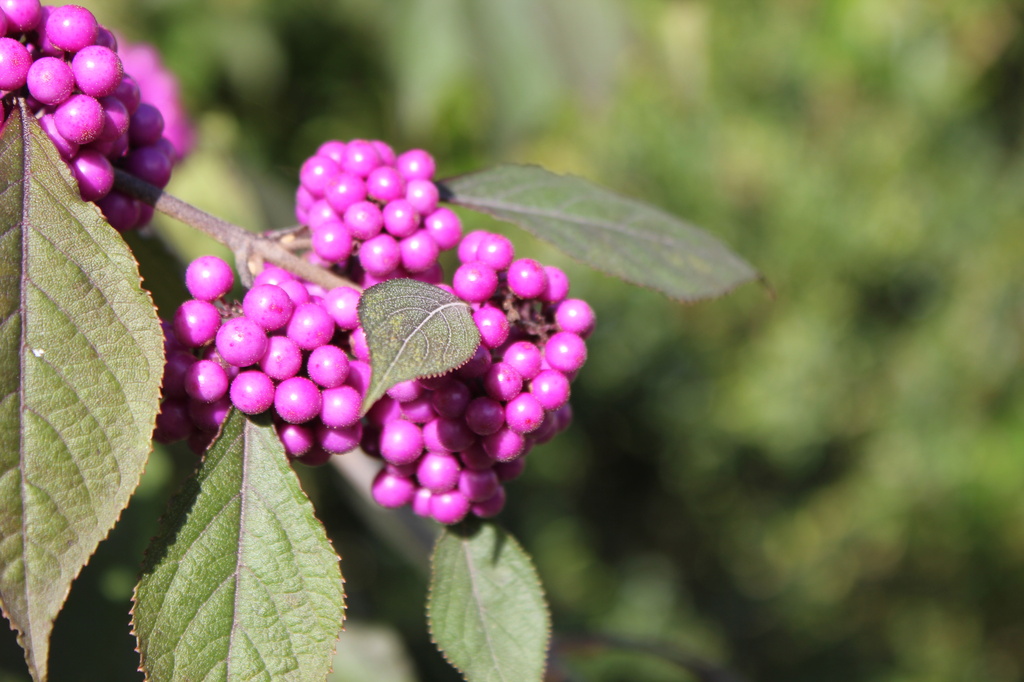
(823, 485)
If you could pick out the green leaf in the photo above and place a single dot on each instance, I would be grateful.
(241, 582)
(413, 330)
(622, 237)
(486, 610)
(81, 359)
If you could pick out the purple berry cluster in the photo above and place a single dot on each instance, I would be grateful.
(374, 215)
(67, 68)
(449, 442)
(284, 348)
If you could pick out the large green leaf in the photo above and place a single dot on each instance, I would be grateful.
(81, 358)
(622, 237)
(487, 611)
(241, 582)
(413, 330)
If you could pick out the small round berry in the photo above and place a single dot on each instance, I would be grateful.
(115, 120)
(252, 392)
(97, 70)
(320, 213)
(332, 241)
(385, 152)
(282, 359)
(383, 411)
(317, 173)
(65, 147)
(484, 415)
(401, 442)
(105, 37)
(317, 456)
(361, 157)
(358, 346)
(404, 391)
(120, 211)
(149, 163)
(79, 119)
(147, 124)
(268, 305)
(392, 491)
(342, 304)
(503, 382)
(421, 502)
(476, 458)
(548, 429)
(71, 27)
(364, 219)
(558, 285)
(328, 366)
(551, 389)
(22, 15)
(490, 507)
(340, 406)
(419, 252)
(418, 410)
(526, 278)
(422, 195)
(206, 381)
(438, 472)
(339, 440)
(451, 399)
(273, 275)
(416, 164)
(468, 245)
(447, 435)
(298, 439)
(504, 444)
(475, 282)
(94, 173)
(333, 150)
(310, 326)
(496, 250)
(196, 323)
(297, 400)
(380, 255)
(200, 441)
(510, 470)
(385, 184)
(478, 485)
(400, 218)
(208, 278)
(359, 375)
(173, 422)
(130, 95)
(445, 227)
(477, 365)
(565, 351)
(449, 508)
(296, 291)
(343, 191)
(524, 413)
(175, 368)
(493, 325)
(525, 357)
(241, 342)
(576, 316)
(50, 80)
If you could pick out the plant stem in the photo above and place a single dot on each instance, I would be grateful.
(249, 248)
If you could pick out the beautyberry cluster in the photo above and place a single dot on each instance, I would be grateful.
(67, 68)
(449, 442)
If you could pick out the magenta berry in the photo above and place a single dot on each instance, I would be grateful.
(401, 442)
(15, 62)
(297, 400)
(71, 27)
(310, 326)
(419, 252)
(503, 382)
(524, 413)
(380, 255)
(343, 191)
(282, 359)
(332, 241)
(241, 342)
(478, 485)
(484, 415)
(404, 391)
(339, 440)
(524, 357)
(147, 124)
(445, 227)
(451, 399)
(422, 195)
(94, 173)
(392, 491)
(565, 352)
(208, 416)
(196, 323)
(449, 508)
(173, 422)
(340, 406)
(438, 472)
(493, 325)
(317, 173)
(558, 285)
(551, 389)
(400, 218)
(268, 305)
(447, 435)
(496, 251)
(97, 70)
(504, 444)
(490, 507)
(576, 316)
(50, 80)
(206, 381)
(415, 164)
(527, 278)
(208, 278)
(475, 282)
(22, 15)
(328, 366)
(364, 220)
(384, 184)
(79, 119)
(298, 439)
(252, 392)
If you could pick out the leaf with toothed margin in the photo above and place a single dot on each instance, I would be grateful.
(622, 237)
(486, 611)
(413, 330)
(81, 359)
(241, 582)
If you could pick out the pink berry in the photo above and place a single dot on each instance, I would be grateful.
(282, 359)
(490, 507)
(445, 227)
(526, 278)
(551, 389)
(97, 70)
(94, 173)
(364, 220)
(196, 323)
(419, 252)
(298, 439)
(385, 184)
(576, 316)
(400, 218)
(484, 415)
(361, 157)
(241, 342)
(475, 282)
(422, 195)
(339, 440)
(525, 357)
(416, 164)
(71, 27)
(504, 444)
(478, 485)
(565, 351)
(328, 366)
(392, 491)
(438, 472)
(206, 381)
(380, 255)
(493, 325)
(297, 400)
(208, 278)
(317, 173)
(343, 191)
(496, 251)
(50, 80)
(332, 241)
(449, 508)
(268, 305)
(524, 413)
(252, 392)
(310, 326)
(558, 285)
(503, 382)
(79, 119)
(340, 406)
(401, 442)
(22, 15)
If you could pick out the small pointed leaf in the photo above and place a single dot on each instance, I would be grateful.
(623, 237)
(241, 582)
(413, 330)
(81, 359)
(487, 611)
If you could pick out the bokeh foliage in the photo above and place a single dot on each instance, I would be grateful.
(823, 485)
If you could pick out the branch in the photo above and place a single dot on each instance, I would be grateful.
(249, 248)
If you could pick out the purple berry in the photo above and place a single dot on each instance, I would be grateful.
(298, 439)
(421, 502)
(400, 218)
(391, 491)
(175, 368)
(149, 163)
(504, 444)
(385, 184)
(449, 508)
(206, 381)
(196, 323)
(484, 415)
(317, 173)
(445, 227)
(241, 342)
(558, 285)
(525, 357)
(526, 278)
(419, 252)
(332, 241)
(359, 375)
(22, 15)
(129, 94)
(493, 325)
(477, 365)
(340, 406)
(342, 304)
(339, 440)
(328, 366)
(503, 382)
(576, 316)
(343, 191)
(120, 211)
(79, 119)
(384, 152)
(451, 399)
(415, 164)
(115, 120)
(297, 400)
(252, 392)
(317, 456)
(490, 507)
(296, 290)
(447, 435)
(422, 195)
(357, 343)
(438, 472)
(524, 413)
(380, 255)
(401, 442)
(476, 458)
(173, 423)
(97, 70)
(147, 124)
(50, 80)
(310, 326)
(361, 157)
(209, 416)
(282, 359)
(418, 410)
(551, 389)
(496, 251)
(565, 351)
(106, 38)
(475, 282)
(478, 485)
(94, 173)
(333, 150)
(208, 278)
(66, 148)
(469, 244)
(510, 470)
(71, 27)
(364, 220)
(273, 275)
(404, 391)
(268, 305)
